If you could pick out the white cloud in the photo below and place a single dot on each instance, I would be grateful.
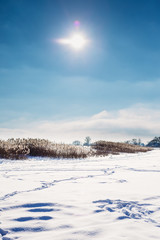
(137, 121)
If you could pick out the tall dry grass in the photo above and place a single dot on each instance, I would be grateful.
(22, 148)
(104, 148)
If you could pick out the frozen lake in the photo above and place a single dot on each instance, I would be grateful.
(113, 198)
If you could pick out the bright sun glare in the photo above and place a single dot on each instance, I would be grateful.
(76, 41)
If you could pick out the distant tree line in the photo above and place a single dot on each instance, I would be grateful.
(135, 141)
(87, 142)
(154, 143)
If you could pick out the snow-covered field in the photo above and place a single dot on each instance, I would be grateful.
(111, 198)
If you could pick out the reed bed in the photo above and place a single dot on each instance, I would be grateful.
(104, 148)
(22, 148)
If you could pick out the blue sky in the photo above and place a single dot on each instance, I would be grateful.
(43, 82)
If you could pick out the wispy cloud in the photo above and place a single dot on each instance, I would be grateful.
(137, 121)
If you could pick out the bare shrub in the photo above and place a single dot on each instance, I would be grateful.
(13, 149)
(105, 148)
(21, 148)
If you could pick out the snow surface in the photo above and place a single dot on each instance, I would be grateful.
(113, 198)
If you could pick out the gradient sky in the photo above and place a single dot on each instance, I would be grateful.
(43, 83)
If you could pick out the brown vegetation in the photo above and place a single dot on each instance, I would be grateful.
(22, 148)
(104, 148)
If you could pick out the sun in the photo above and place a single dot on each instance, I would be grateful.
(77, 41)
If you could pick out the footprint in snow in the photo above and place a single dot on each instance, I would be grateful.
(126, 209)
